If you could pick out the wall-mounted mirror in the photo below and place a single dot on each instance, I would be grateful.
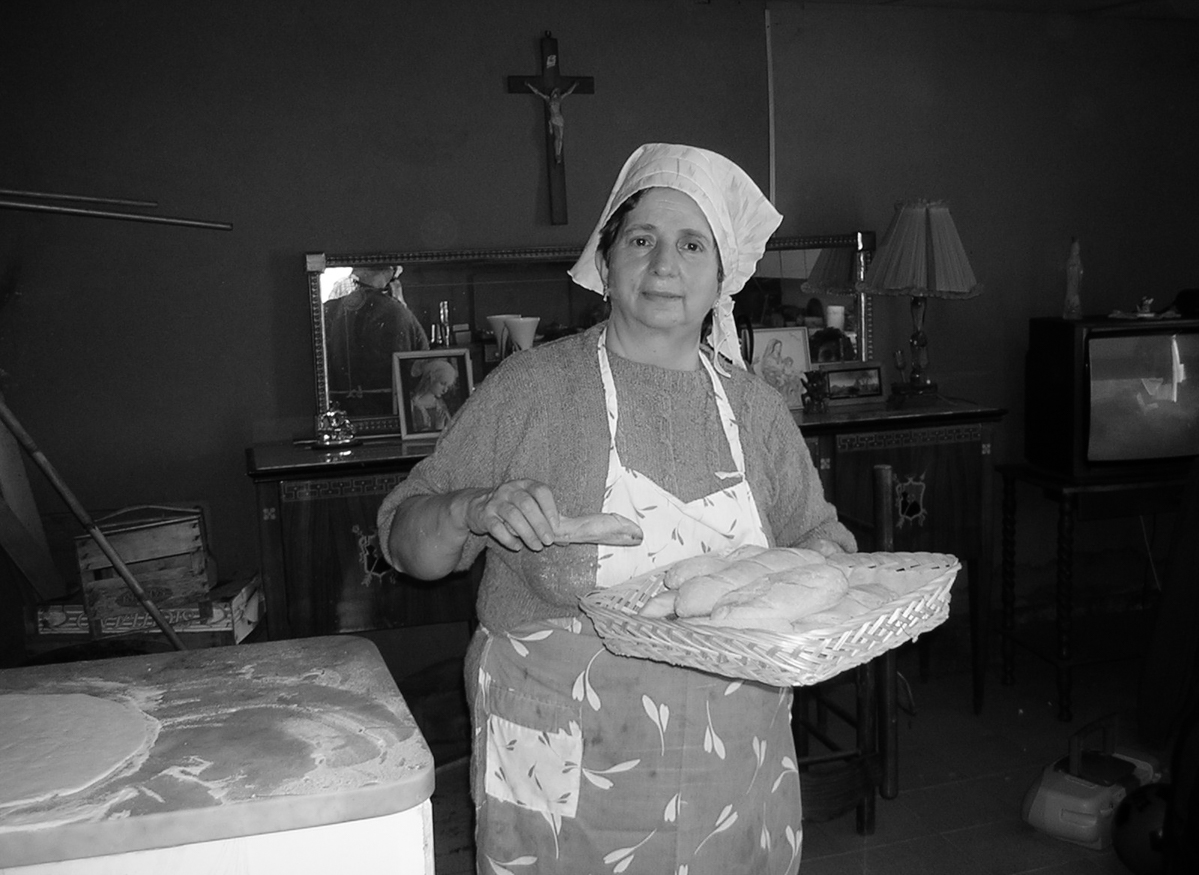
(366, 306)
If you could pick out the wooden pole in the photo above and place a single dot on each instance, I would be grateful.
(24, 438)
(111, 214)
(83, 198)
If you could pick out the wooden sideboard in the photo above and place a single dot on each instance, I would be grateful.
(323, 573)
(940, 455)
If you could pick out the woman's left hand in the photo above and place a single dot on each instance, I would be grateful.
(823, 546)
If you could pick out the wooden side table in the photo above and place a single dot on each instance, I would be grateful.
(1076, 500)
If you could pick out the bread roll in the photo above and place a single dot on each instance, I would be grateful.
(685, 569)
(855, 603)
(661, 605)
(699, 595)
(598, 528)
(858, 567)
(790, 594)
(871, 594)
(745, 551)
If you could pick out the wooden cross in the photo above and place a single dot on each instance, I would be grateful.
(552, 88)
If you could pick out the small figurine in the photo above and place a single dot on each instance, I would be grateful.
(1145, 307)
(334, 429)
(815, 391)
(1073, 305)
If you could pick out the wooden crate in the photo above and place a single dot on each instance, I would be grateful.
(163, 548)
(230, 612)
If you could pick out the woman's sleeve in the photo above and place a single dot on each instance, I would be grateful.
(798, 512)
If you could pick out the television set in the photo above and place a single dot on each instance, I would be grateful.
(1112, 397)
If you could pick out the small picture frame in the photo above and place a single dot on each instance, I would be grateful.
(854, 383)
(430, 386)
(780, 357)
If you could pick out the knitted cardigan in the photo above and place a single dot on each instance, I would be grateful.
(541, 415)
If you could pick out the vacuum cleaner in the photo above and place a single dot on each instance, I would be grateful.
(1076, 797)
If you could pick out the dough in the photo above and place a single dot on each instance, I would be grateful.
(699, 595)
(60, 743)
(787, 595)
(661, 605)
(685, 569)
(598, 528)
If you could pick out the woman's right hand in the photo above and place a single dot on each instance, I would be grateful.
(519, 513)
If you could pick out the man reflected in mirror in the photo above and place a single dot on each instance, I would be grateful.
(362, 330)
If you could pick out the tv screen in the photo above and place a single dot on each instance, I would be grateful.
(1144, 396)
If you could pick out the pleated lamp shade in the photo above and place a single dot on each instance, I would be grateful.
(921, 255)
(834, 272)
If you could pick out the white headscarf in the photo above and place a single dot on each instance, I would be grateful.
(740, 215)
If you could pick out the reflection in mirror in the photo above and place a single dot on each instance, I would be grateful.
(810, 282)
(365, 319)
(365, 307)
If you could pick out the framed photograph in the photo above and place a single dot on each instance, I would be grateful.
(780, 357)
(851, 383)
(430, 386)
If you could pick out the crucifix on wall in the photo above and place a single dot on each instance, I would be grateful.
(552, 88)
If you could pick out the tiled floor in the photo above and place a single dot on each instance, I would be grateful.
(962, 777)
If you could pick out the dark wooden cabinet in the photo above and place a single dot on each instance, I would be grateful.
(322, 569)
(940, 456)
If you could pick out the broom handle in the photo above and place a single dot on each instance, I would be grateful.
(24, 438)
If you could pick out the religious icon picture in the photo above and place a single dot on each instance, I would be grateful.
(430, 387)
(780, 358)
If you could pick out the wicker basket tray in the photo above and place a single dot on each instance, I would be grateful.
(760, 655)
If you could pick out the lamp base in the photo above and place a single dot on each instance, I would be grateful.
(908, 388)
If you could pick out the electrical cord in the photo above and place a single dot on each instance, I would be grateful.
(1157, 584)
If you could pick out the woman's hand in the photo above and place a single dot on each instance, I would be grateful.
(429, 532)
(519, 513)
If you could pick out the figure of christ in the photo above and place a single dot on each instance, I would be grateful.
(557, 122)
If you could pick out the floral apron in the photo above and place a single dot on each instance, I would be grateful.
(594, 763)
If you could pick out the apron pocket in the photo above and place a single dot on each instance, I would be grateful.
(534, 752)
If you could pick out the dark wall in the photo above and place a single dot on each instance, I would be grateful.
(145, 359)
(1035, 129)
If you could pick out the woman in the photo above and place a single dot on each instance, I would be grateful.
(434, 378)
(584, 761)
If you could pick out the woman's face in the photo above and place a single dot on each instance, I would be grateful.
(662, 269)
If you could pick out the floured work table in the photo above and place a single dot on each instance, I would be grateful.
(284, 756)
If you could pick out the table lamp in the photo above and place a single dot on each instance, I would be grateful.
(920, 256)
